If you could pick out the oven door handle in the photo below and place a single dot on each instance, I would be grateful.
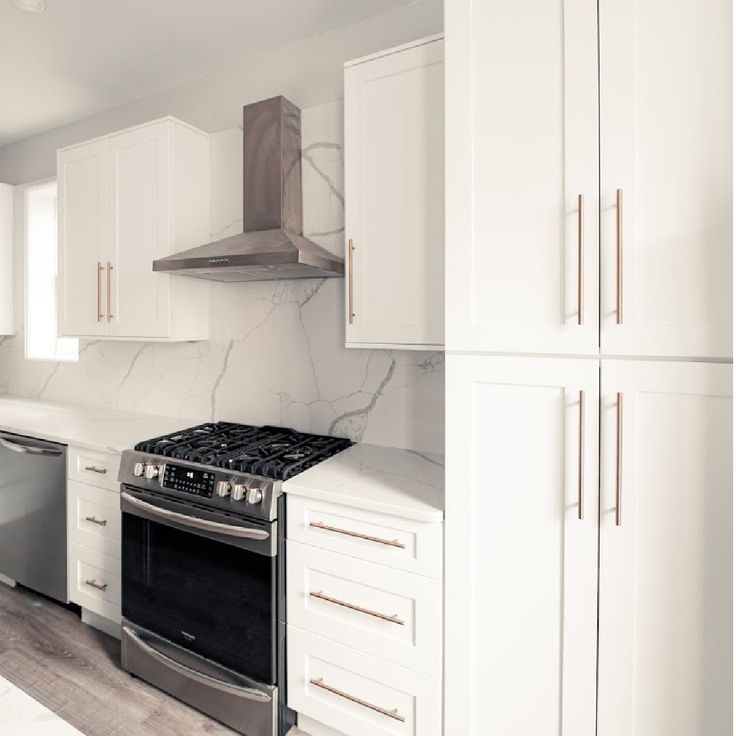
(193, 522)
(199, 677)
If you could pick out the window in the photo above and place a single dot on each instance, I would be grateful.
(42, 340)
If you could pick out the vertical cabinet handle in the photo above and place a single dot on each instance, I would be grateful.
(581, 261)
(619, 256)
(99, 270)
(619, 454)
(351, 313)
(109, 291)
(581, 455)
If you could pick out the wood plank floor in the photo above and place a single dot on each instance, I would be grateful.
(74, 670)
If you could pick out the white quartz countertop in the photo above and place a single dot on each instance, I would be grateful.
(391, 481)
(106, 430)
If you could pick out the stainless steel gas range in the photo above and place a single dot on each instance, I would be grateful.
(203, 567)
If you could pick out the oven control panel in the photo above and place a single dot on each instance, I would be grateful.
(187, 480)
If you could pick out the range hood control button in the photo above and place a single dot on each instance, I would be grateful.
(223, 488)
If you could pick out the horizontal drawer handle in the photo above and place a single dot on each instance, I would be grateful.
(95, 469)
(393, 619)
(357, 535)
(96, 585)
(389, 713)
(95, 520)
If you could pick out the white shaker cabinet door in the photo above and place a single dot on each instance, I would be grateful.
(140, 186)
(666, 192)
(521, 587)
(82, 217)
(522, 176)
(666, 549)
(394, 181)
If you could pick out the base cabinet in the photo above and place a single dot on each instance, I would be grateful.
(666, 611)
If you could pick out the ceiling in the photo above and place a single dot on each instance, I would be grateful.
(84, 56)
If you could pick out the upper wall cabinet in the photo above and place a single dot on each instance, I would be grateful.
(125, 200)
(522, 177)
(6, 260)
(666, 129)
(394, 188)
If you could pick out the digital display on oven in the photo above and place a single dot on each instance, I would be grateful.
(189, 480)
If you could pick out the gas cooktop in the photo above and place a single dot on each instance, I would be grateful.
(272, 452)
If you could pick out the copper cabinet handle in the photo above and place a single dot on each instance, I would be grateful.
(357, 535)
(619, 454)
(319, 682)
(109, 291)
(581, 455)
(581, 260)
(392, 619)
(619, 256)
(95, 520)
(96, 585)
(95, 469)
(351, 312)
(100, 269)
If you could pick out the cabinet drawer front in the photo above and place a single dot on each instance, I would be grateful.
(94, 581)
(358, 694)
(399, 543)
(97, 468)
(93, 518)
(391, 614)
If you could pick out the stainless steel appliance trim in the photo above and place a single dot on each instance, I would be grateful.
(194, 522)
(394, 619)
(319, 682)
(198, 677)
(16, 446)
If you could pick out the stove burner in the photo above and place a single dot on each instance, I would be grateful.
(273, 452)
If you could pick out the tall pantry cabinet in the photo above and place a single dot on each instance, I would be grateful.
(588, 334)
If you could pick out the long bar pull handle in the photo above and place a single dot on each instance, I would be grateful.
(581, 259)
(95, 469)
(95, 584)
(95, 520)
(351, 311)
(619, 454)
(109, 291)
(319, 682)
(357, 535)
(581, 455)
(394, 619)
(100, 268)
(619, 256)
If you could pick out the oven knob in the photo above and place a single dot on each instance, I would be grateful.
(138, 469)
(223, 488)
(151, 471)
(255, 495)
(238, 492)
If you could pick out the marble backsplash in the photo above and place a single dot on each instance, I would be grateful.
(276, 355)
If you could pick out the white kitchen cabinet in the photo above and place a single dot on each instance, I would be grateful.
(125, 200)
(666, 142)
(522, 177)
(666, 557)
(6, 260)
(394, 197)
(521, 563)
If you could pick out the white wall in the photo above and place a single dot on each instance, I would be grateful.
(308, 72)
(276, 355)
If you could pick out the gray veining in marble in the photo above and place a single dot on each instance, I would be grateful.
(276, 353)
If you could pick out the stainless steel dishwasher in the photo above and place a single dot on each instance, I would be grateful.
(33, 514)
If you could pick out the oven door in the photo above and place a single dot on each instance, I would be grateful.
(203, 580)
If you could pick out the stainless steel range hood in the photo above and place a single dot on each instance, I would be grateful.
(272, 245)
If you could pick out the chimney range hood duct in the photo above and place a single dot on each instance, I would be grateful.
(272, 245)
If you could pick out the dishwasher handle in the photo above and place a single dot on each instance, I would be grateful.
(16, 446)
